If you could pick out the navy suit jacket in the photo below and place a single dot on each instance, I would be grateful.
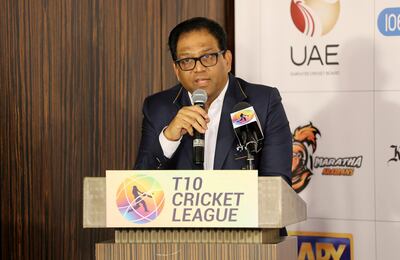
(274, 159)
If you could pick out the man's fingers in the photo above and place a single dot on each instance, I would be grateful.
(199, 110)
(198, 127)
(189, 123)
(188, 127)
(187, 119)
(193, 117)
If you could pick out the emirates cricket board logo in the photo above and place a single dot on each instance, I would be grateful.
(304, 146)
(315, 17)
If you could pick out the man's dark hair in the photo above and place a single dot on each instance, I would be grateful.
(196, 24)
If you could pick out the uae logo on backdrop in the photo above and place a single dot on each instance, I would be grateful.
(315, 17)
(305, 162)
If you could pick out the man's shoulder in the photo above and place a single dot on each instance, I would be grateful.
(257, 91)
(167, 96)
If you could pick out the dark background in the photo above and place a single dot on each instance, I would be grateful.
(73, 76)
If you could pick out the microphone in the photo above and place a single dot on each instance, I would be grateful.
(199, 97)
(247, 126)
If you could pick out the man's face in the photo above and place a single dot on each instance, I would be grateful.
(212, 79)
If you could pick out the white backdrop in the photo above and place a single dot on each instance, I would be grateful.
(345, 80)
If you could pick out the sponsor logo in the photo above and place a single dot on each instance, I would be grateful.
(305, 162)
(318, 245)
(193, 204)
(312, 54)
(243, 117)
(389, 21)
(338, 166)
(396, 154)
(304, 146)
(140, 199)
(315, 17)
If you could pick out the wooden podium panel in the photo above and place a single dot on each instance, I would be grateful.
(204, 235)
(284, 250)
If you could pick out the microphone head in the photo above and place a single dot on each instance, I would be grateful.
(246, 124)
(199, 96)
(240, 106)
(243, 113)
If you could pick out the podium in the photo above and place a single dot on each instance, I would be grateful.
(278, 206)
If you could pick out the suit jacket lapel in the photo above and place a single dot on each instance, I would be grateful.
(226, 136)
(182, 98)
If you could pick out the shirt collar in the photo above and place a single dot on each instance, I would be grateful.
(220, 97)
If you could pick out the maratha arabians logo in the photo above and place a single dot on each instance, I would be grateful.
(315, 17)
(305, 162)
(304, 145)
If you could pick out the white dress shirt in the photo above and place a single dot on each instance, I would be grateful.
(210, 137)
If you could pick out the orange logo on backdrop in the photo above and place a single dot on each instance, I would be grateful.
(304, 138)
(304, 161)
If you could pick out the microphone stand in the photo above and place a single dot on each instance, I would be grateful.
(251, 149)
(250, 160)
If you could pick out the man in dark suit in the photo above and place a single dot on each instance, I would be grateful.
(201, 60)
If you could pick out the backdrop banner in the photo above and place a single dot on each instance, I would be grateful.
(336, 64)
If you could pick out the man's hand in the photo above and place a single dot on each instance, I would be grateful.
(185, 120)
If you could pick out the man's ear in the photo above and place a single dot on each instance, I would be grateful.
(176, 70)
(228, 60)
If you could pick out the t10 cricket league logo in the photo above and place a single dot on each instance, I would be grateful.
(140, 199)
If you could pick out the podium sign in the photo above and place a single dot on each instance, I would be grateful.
(182, 198)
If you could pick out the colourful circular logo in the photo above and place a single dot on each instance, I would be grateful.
(315, 17)
(242, 117)
(140, 199)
